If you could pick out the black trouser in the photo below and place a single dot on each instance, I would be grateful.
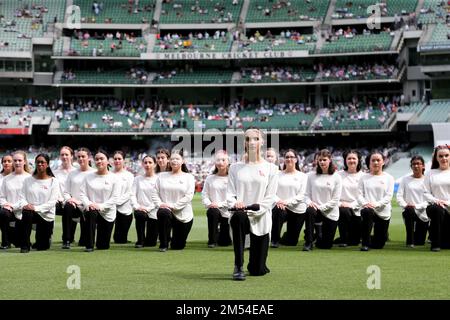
(69, 226)
(59, 208)
(349, 227)
(278, 218)
(380, 229)
(180, 231)
(439, 226)
(294, 224)
(141, 218)
(218, 228)
(8, 232)
(44, 230)
(95, 221)
(416, 229)
(122, 226)
(259, 245)
(325, 240)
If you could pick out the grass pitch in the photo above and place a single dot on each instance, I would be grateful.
(201, 273)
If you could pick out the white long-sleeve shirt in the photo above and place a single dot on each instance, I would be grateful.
(10, 191)
(142, 194)
(291, 189)
(42, 194)
(437, 186)
(103, 190)
(254, 184)
(378, 190)
(176, 190)
(349, 194)
(215, 190)
(62, 175)
(412, 191)
(73, 185)
(325, 190)
(126, 179)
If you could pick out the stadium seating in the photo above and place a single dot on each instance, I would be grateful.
(346, 9)
(116, 11)
(186, 44)
(286, 11)
(129, 49)
(278, 43)
(276, 75)
(440, 35)
(58, 47)
(203, 76)
(200, 11)
(359, 43)
(437, 111)
(109, 77)
(342, 120)
(432, 12)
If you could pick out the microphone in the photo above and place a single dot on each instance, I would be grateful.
(252, 207)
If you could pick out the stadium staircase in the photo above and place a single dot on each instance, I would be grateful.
(157, 14)
(244, 11)
(397, 41)
(419, 7)
(151, 40)
(331, 9)
(427, 34)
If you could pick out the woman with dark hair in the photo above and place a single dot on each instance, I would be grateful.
(162, 160)
(73, 206)
(99, 194)
(173, 198)
(37, 200)
(323, 192)
(143, 205)
(290, 203)
(7, 166)
(214, 198)
(376, 190)
(10, 189)
(349, 223)
(437, 193)
(410, 196)
(253, 181)
(124, 215)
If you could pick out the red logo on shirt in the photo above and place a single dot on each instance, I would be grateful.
(45, 187)
(261, 173)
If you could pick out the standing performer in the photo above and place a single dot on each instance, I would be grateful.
(144, 207)
(38, 198)
(99, 194)
(73, 206)
(10, 190)
(437, 193)
(323, 192)
(376, 189)
(290, 202)
(349, 211)
(411, 197)
(253, 181)
(173, 197)
(214, 198)
(124, 215)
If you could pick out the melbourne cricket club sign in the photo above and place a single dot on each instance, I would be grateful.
(224, 55)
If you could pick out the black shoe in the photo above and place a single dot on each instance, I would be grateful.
(436, 249)
(274, 245)
(364, 248)
(89, 250)
(212, 245)
(24, 250)
(66, 245)
(5, 247)
(162, 249)
(138, 245)
(307, 247)
(342, 245)
(238, 274)
(34, 246)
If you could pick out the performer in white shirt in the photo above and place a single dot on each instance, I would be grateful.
(376, 190)
(253, 181)
(143, 205)
(162, 160)
(66, 155)
(323, 191)
(271, 156)
(99, 195)
(38, 198)
(437, 193)
(10, 189)
(214, 198)
(6, 217)
(290, 202)
(173, 197)
(73, 206)
(124, 215)
(411, 197)
(349, 223)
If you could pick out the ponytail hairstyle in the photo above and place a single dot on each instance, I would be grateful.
(26, 166)
(103, 151)
(88, 153)
(47, 159)
(183, 165)
(325, 153)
